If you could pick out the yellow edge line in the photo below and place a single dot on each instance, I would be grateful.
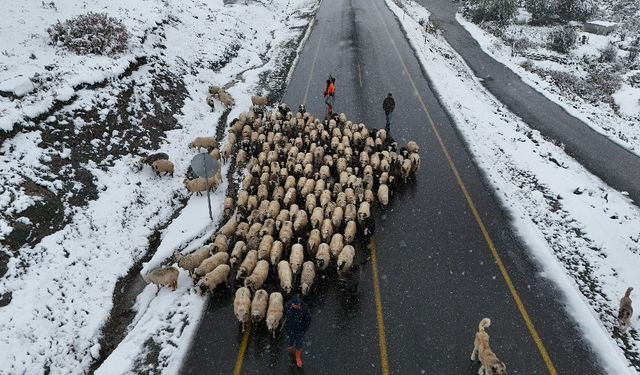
(313, 65)
(503, 270)
(237, 370)
(382, 339)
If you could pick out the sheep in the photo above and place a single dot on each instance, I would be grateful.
(259, 305)
(264, 249)
(300, 221)
(268, 228)
(323, 256)
(226, 99)
(214, 90)
(149, 159)
(285, 276)
(314, 241)
(296, 258)
(248, 265)
(220, 244)
(277, 249)
(383, 195)
(345, 259)
(215, 278)
(242, 306)
(350, 232)
(274, 313)
(273, 209)
(259, 100)
(364, 211)
(241, 230)
(211, 263)
(167, 276)
(316, 217)
(199, 185)
(281, 218)
(307, 277)
(337, 217)
(415, 162)
(165, 166)
(286, 233)
(326, 230)
(350, 212)
(254, 229)
(228, 206)
(191, 261)
(412, 147)
(258, 276)
(310, 202)
(208, 143)
(238, 253)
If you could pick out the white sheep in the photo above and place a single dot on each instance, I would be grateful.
(307, 277)
(215, 278)
(412, 146)
(314, 241)
(316, 217)
(162, 165)
(383, 195)
(211, 263)
(248, 265)
(191, 261)
(277, 249)
(220, 244)
(259, 305)
(296, 258)
(242, 306)
(258, 276)
(345, 259)
(364, 211)
(259, 100)
(264, 249)
(238, 253)
(167, 276)
(285, 276)
(208, 143)
(274, 312)
(326, 230)
(323, 256)
(350, 232)
(336, 244)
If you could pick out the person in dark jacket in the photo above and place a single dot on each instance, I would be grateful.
(329, 95)
(388, 105)
(296, 324)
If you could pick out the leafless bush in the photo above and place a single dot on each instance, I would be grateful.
(519, 44)
(498, 11)
(527, 65)
(562, 39)
(91, 33)
(608, 53)
(634, 80)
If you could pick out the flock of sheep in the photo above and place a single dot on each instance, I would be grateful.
(307, 195)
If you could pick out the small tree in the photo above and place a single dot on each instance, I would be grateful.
(543, 12)
(608, 53)
(562, 39)
(576, 10)
(91, 33)
(499, 11)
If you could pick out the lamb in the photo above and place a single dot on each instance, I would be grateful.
(350, 232)
(191, 261)
(258, 276)
(167, 276)
(383, 195)
(165, 166)
(277, 249)
(285, 275)
(211, 263)
(297, 258)
(259, 305)
(242, 306)
(238, 253)
(307, 277)
(248, 265)
(345, 259)
(215, 278)
(323, 256)
(208, 143)
(264, 249)
(259, 100)
(274, 312)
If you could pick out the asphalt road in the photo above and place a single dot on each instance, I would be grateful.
(597, 153)
(438, 276)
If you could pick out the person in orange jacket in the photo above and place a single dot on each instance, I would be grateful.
(329, 95)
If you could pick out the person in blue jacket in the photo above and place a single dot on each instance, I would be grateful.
(296, 324)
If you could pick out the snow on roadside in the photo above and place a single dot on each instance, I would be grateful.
(584, 235)
(62, 287)
(623, 130)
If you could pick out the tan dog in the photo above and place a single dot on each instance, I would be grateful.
(626, 310)
(489, 362)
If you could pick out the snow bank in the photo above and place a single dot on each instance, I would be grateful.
(584, 235)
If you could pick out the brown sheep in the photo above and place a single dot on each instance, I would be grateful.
(165, 166)
(167, 276)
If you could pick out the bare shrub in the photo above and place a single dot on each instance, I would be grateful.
(498, 11)
(563, 39)
(543, 12)
(576, 10)
(608, 53)
(91, 33)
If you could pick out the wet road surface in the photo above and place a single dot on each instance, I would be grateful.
(597, 153)
(438, 276)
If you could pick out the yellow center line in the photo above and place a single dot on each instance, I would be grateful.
(313, 65)
(237, 370)
(487, 237)
(382, 339)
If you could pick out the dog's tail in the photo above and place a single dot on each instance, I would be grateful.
(484, 323)
(628, 293)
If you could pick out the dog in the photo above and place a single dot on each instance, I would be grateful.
(626, 310)
(489, 362)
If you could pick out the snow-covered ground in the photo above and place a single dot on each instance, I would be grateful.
(61, 287)
(584, 235)
(534, 62)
